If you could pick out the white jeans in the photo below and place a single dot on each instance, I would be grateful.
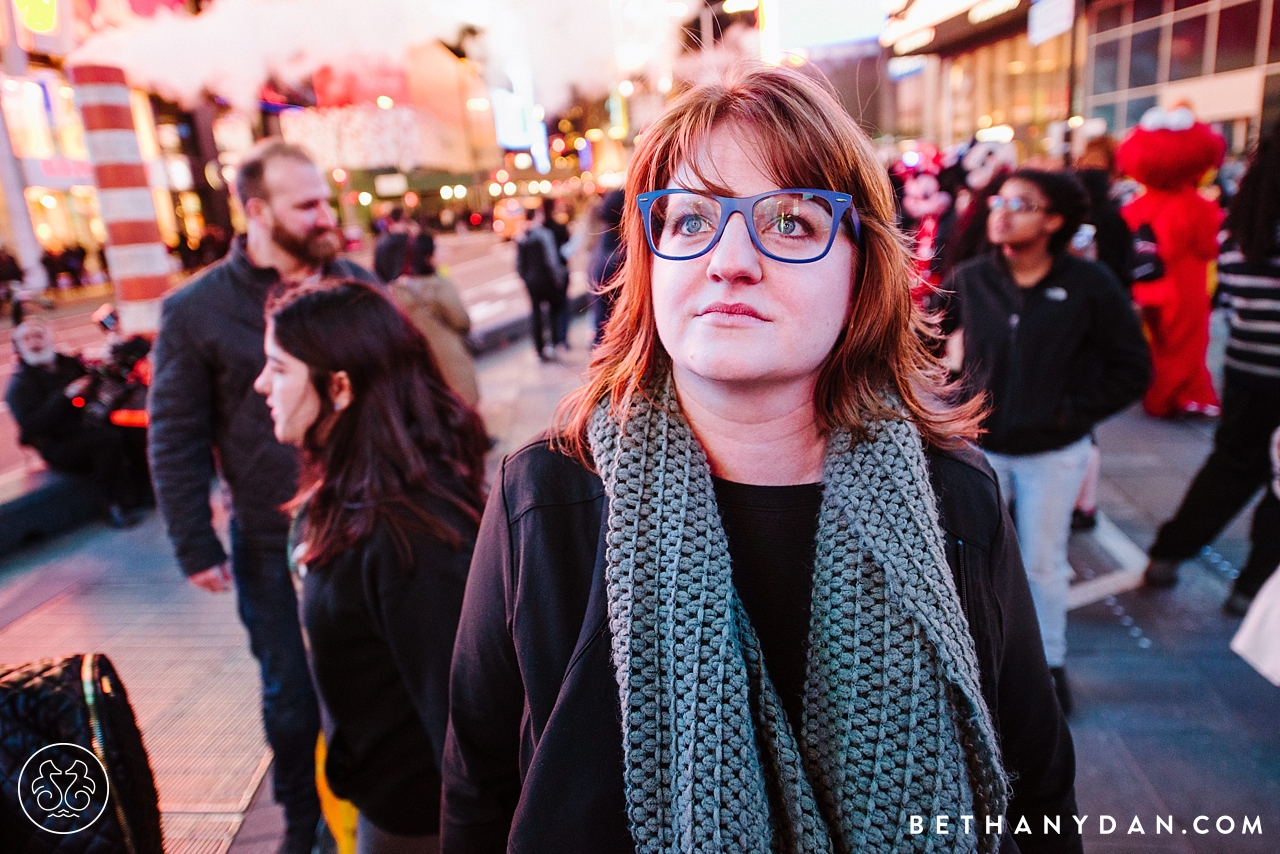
(1043, 488)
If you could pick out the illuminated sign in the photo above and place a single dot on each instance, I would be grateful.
(914, 41)
(900, 67)
(989, 9)
(39, 16)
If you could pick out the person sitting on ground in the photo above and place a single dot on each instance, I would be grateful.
(431, 301)
(49, 396)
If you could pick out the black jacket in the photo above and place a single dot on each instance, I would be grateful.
(381, 637)
(38, 401)
(1114, 239)
(533, 761)
(202, 404)
(388, 254)
(1054, 359)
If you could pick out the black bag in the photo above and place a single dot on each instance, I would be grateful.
(74, 775)
(1145, 263)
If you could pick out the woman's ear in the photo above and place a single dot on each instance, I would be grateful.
(340, 390)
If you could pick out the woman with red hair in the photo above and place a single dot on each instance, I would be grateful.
(755, 593)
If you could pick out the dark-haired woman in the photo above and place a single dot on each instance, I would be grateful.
(386, 518)
(1249, 285)
(1054, 343)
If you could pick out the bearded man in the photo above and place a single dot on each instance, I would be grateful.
(205, 413)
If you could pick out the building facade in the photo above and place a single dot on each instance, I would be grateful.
(1219, 57)
(963, 69)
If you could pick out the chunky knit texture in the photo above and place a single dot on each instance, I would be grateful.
(894, 723)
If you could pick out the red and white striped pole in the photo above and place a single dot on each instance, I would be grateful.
(136, 255)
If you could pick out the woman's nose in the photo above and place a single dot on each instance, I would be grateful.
(734, 258)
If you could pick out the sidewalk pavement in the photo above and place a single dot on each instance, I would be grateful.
(1168, 722)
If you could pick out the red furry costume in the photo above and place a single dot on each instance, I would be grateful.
(1169, 153)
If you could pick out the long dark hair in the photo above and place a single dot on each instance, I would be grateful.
(404, 434)
(1255, 211)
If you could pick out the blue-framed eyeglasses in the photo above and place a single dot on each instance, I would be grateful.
(795, 226)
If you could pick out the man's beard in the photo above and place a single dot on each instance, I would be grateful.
(43, 359)
(316, 248)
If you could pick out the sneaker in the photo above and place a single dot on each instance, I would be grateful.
(1060, 688)
(1084, 520)
(1161, 573)
(1237, 604)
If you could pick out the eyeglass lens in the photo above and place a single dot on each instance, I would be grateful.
(791, 226)
(1013, 205)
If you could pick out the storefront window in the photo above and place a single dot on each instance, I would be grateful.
(1109, 18)
(1237, 36)
(1186, 4)
(1106, 112)
(1144, 10)
(66, 118)
(1273, 54)
(1144, 59)
(1186, 52)
(1106, 67)
(1138, 106)
(23, 103)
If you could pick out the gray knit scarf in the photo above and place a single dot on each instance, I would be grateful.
(894, 722)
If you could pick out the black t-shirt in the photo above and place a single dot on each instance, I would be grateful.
(771, 532)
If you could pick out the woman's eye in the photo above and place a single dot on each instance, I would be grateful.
(688, 225)
(788, 225)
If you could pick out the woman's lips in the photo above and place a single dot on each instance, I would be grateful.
(731, 308)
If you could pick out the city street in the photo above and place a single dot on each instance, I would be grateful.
(1169, 724)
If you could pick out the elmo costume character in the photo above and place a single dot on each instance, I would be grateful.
(1169, 153)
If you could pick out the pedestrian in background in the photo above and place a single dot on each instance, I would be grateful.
(566, 246)
(1096, 170)
(386, 517)
(757, 485)
(11, 280)
(390, 248)
(546, 278)
(203, 409)
(607, 257)
(1053, 342)
(431, 301)
(1249, 286)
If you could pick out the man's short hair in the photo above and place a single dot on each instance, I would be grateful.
(250, 183)
(397, 214)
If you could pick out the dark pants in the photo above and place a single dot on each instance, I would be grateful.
(115, 460)
(371, 839)
(554, 322)
(1239, 466)
(269, 610)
